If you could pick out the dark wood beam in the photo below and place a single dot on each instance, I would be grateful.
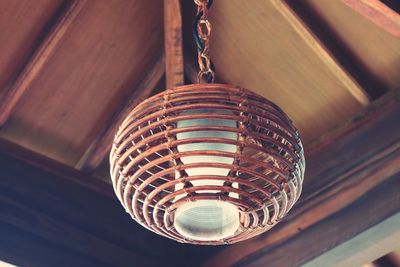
(373, 207)
(53, 215)
(368, 246)
(352, 183)
(100, 147)
(173, 43)
(377, 12)
(39, 59)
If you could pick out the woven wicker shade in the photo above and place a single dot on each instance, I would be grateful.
(202, 146)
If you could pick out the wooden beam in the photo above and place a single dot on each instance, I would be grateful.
(377, 12)
(334, 230)
(342, 174)
(39, 59)
(321, 51)
(100, 147)
(53, 215)
(368, 246)
(57, 169)
(173, 43)
(343, 54)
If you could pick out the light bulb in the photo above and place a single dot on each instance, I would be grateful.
(207, 220)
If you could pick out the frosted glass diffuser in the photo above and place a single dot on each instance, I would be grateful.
(207, 219)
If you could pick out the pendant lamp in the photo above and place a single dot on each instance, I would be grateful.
(207, 163)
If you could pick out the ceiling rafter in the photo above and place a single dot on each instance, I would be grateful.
(308, 13)
(101, 145)
(353, 168)
(321, 51)
(39, 59)
(171, 64)
(378, 13)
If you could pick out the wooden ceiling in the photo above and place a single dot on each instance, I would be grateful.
(87, 58)
(71, 69)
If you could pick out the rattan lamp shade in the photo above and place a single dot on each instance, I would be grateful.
(214, 153)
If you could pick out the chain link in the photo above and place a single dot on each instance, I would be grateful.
(202, 32)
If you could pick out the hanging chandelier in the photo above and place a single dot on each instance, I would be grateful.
(207, 163)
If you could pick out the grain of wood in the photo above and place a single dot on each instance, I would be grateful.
(376, 50)
(173, 43)
(22, 23)
(378, 13)
(314, 43)
(103, 55)
(101, 145)
(266, 48)
(39, 60)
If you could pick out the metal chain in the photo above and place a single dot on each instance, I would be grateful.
(201, 32)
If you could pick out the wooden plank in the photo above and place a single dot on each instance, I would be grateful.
(314, 43)
(50, 212)
(23, 24)
(105, 52)
(368, 47)
(339, 174)
(100, 146)
(266, 48)
(13, 151)
(173, 43)
(368, 246)
(378, 13)
(334, 230)
(39, 59)
(337, 46)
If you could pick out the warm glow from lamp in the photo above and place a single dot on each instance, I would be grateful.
(207, 219)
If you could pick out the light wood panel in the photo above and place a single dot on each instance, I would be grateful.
(264, 47)
(374, 10)
(376, 49)
(21, 22)
(104, 53)
(39, 59)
